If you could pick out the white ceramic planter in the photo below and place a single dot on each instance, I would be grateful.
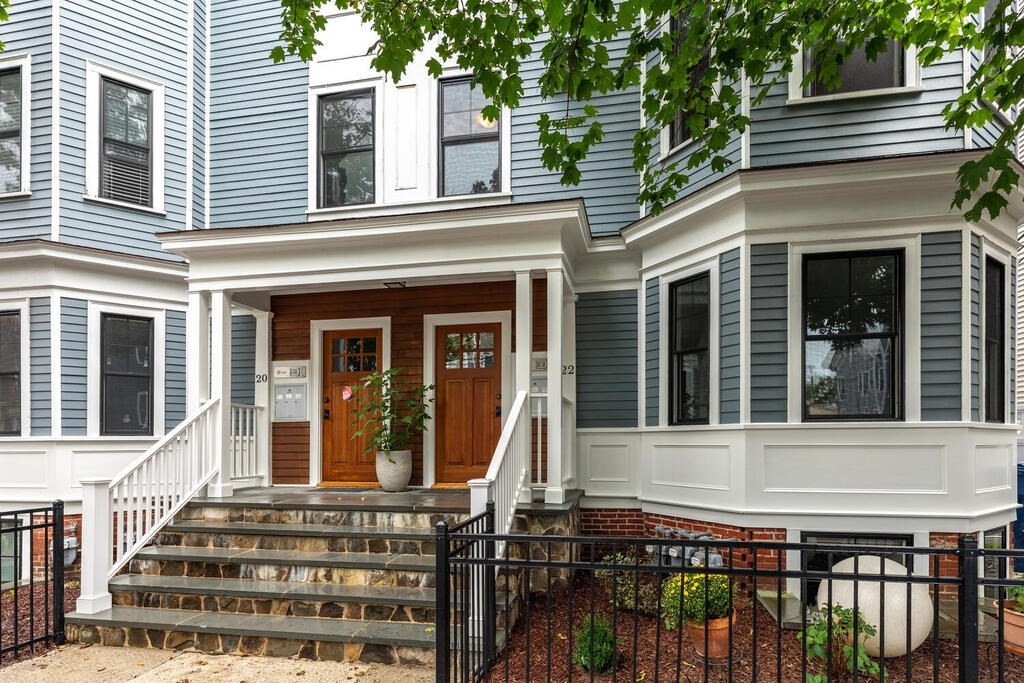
(394, 476)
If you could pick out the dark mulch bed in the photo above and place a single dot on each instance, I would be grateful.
(33, 620)
(649, 652)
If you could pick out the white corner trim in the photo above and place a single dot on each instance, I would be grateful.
(23, 62)
(316, 370)
(21, 307)
(55, 142)
(93, 355)
(94, 72)
(430, 324)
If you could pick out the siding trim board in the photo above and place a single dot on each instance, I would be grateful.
(941, 296)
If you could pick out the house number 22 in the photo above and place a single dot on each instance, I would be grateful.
(568, 369)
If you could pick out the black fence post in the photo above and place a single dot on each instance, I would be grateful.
(967, 607)
(58, 571)
(490, 590)
(442, 600)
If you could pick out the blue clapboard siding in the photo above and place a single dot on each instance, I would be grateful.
(40, 375)
(174, 369)
(243, 359)
(975, 327)
(606, 359)
(258, 120)
(768, 341)
(729, 337)
(652, 363)
(27, 31)
(147, 40)
(857, 128)
(73, 349)
(198, 66)
(609, 184)
(941, 333)
(1013, 340)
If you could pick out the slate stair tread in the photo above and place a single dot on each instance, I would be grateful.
(271, 626)
(279, 590)
(308, 530)
(402, 562)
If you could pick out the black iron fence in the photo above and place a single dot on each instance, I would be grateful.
(545, 608)
(31, 579)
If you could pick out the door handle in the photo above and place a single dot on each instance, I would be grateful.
(327, 413)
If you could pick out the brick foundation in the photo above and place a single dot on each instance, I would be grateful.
(41, 546)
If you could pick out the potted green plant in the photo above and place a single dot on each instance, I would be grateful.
(704, 602)
(389, 416)
(1013, 620)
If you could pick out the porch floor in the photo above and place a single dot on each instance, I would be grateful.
(371, 500)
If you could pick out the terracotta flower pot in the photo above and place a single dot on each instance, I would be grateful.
(1013, 627)
(717, 631)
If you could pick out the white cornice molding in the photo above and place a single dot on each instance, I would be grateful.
(58, 254)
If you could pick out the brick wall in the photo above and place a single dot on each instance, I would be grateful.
(41, 546)
(612, 522)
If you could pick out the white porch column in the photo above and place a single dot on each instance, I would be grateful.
(220, 387)
(97, 546)
(197, 350)
(524, 348)
(262, 398)
(569, 389)
(554, 493)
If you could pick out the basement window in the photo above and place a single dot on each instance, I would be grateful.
(812, 560)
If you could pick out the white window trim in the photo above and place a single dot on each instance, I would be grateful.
(988, 250)
(911, 79)
(94, 73)
(94, 353)
(313, 148)
(20, 306)
(504, 143)
(24, 63)
(709, 266)
(910, 334)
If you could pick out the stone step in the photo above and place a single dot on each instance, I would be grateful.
(378, 515)
(281, 598)
(304, 537)
(257, 634)
(377, 569)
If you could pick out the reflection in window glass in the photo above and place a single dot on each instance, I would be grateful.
(10, 130)
(10, 374)
(851, 326)
(689, 346)
(125, 162)
(127, 375)
(347, 149)
(860, 73)
(470, 144)
(994, 567)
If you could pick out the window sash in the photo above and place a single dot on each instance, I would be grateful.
(12, 135)
(894, 336)
(107, 340)
(118, 158)
(995, 341)
(13, 416)
(897, 78)
(447, 141)
(325, 155)
(679, 351)
(678, 130)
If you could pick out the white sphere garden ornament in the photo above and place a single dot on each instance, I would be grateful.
(868, 594)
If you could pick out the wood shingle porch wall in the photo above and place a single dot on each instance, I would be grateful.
(406, 307)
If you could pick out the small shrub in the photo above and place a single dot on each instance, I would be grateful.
(595, 645)
(628, 589)
(845, 655)
(703, 597)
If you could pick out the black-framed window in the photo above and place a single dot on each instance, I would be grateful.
(470, 149)
(995, 341)
(10, 373)
(858, 73)
(347, 164)
(994, 567)
(852, 342)
(689, 381)
(679, 131)
(816, 560)
(126, 158)
(126, 375)
(10, 130)
(10, 552)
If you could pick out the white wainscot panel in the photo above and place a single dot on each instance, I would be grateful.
(855, 468)
(89, 462)
(24, 469)
(993, 467)
(691, 466)
(609, 464)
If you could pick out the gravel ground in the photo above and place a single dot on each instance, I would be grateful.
(78, 663)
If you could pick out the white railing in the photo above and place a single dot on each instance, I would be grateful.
(122, 515)
(509, 472)
(245, 423)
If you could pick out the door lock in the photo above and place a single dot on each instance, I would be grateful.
(497, 411)
(327, 413)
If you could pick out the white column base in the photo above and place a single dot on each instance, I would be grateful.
(554, 495)
(93, 604)
(219, 489)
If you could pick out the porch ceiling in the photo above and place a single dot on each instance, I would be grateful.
(449, 246)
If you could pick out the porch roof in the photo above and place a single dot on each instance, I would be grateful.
(451, 244)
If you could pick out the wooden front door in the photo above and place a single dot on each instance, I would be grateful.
(468, 410)
(349, 355)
